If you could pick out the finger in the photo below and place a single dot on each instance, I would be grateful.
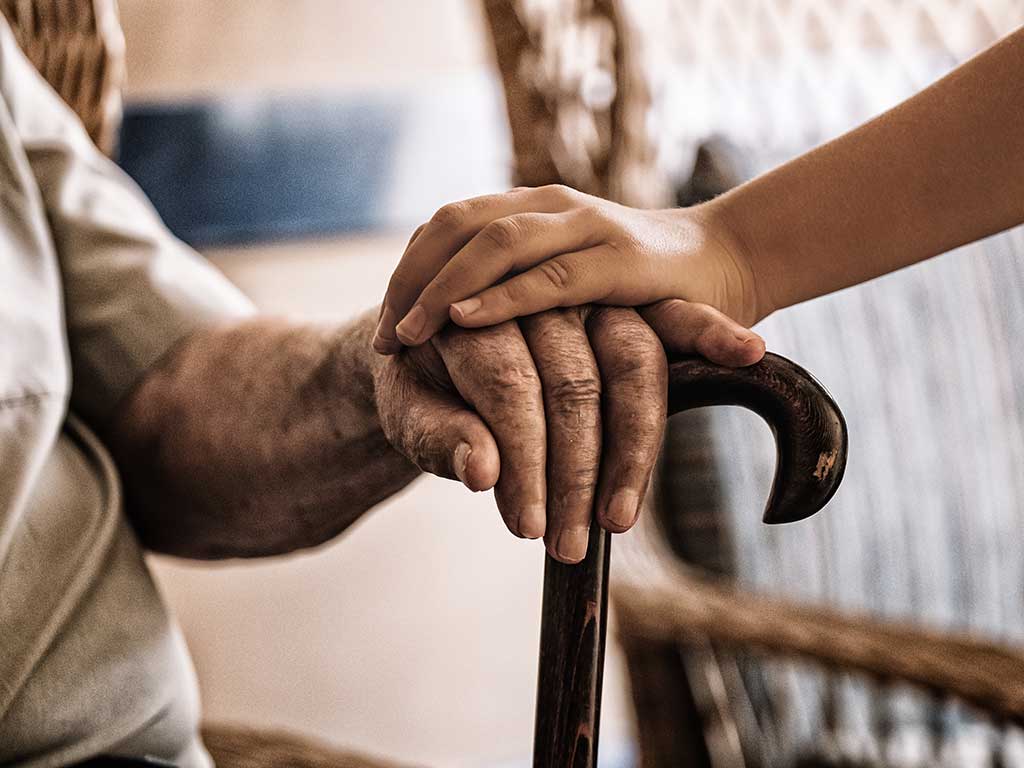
(572, 407)
(385, 342)
(567, 280)
(494, 372)
(689, 328)
(436, 430)
(634, 375)
(415, 234)
(452, 227)
(506, 245)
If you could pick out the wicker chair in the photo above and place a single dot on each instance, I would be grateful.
(79, 48)
(887, 631)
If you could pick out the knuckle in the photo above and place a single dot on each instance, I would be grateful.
(451, 217)
(574, 396)
(563, 194)
(513, 383)
(623, 243)
(599, 217)
(557, 274)
(617, 326)
(663, 312)
(573, 488)
(502, 234)
(634, 352)
(512, 292)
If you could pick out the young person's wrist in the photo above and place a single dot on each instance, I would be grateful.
(725, 263)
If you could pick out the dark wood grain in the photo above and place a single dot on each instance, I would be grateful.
(572, 635)
(810, 432)
(811, 438)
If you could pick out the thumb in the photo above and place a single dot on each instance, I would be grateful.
(437, 431)
(689, 328)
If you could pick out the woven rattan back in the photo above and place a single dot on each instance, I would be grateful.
(78, 47)
(614, 96)
(776, 76)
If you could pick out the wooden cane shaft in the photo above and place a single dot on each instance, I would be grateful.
(572, 637)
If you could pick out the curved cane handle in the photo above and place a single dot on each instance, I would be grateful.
(810, 431)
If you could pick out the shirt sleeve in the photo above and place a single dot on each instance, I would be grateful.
(131, 289)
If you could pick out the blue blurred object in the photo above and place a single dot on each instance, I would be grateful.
(246, 169)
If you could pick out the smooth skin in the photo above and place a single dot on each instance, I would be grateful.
(267, 436)
(944, 168)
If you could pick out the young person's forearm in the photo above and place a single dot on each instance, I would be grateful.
(254, 440)
(942, 169)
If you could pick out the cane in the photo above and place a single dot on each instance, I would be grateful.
(811, 441)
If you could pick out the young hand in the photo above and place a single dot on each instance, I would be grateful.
(493, 258)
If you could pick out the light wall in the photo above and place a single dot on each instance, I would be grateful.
(186, 47)
(414, 635)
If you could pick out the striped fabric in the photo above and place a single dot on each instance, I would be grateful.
(928, 525)
(925, 364)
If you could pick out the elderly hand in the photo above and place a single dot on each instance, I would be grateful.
(497, 257)
(562, 413)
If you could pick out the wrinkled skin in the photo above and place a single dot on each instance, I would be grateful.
(563, 413)
(267, 436)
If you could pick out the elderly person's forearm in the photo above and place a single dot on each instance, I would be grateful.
(270, 436)
(256, 439)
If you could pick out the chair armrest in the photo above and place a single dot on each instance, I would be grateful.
(685, 607)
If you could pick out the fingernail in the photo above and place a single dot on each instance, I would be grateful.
(623, 508)
(462, 452)
(411, 327)
(464, 309)
(532, 522)
(572, 544)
